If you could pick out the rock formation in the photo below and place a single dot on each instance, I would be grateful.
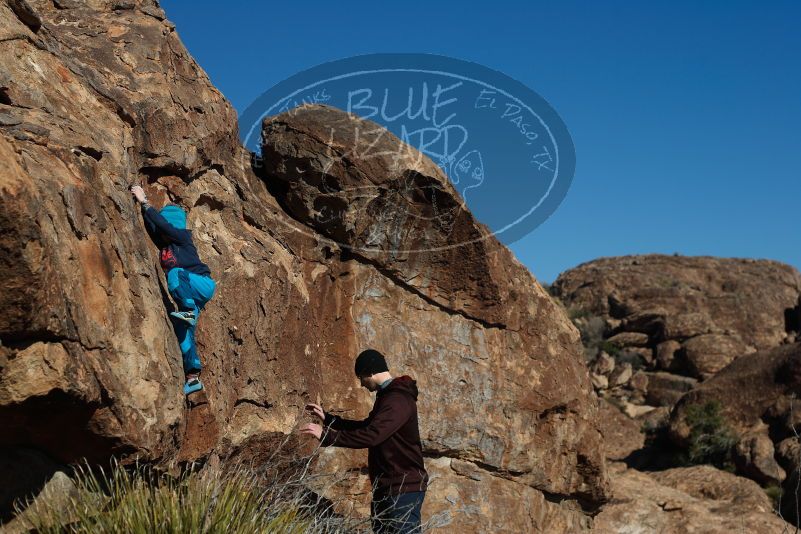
(729, 324)
(758, 397)
(692, 315)
(692, 499)
(654, 326)
(95, 96)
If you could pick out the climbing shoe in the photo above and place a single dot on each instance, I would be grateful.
(192, 385)
(187, 316)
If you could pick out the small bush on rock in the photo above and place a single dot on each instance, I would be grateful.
(711, 439)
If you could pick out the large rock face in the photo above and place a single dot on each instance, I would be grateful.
(357, 184)
(697, 314)
(97, 95)
(470, 318)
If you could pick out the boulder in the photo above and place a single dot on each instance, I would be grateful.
(629, 339)
(57, 492)
(599, 381)
(636, 411)
(469, 499)
(620, 375)
(788, 454)
(692, 499)
(604, 364)
(639, 382)
(754, 457)
(666, 355)
(706, 482)
(707, 354)
(665, 389)
(622, 435)
(751, 392)
(407, 287)
(763, 385)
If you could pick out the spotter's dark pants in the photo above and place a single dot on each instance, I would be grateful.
(397, 514)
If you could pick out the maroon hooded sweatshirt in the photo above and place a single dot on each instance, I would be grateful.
(391, 435)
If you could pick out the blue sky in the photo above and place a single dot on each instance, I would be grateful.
(686, 116)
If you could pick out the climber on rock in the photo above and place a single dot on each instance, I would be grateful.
(392, 437)
(188, 279)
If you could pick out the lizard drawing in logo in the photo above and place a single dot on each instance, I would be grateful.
(467, 172)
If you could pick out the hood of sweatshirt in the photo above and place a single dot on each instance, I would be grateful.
(174, 215)
(404, 384)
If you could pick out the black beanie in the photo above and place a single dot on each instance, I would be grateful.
(370, 362)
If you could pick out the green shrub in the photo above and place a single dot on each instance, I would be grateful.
(629, 356)
(610, 348)
(774, 492)
(668, 283)
(592, 329)
(711, 439)
(577, 313)
(142, 500)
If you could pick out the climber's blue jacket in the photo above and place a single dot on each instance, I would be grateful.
(168, 230)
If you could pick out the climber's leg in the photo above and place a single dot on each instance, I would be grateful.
(186, 340)
(191, 291)
(202, 289)
(180, 286)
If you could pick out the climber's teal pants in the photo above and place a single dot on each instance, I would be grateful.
(191, 292)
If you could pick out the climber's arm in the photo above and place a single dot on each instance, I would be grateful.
(158, 223)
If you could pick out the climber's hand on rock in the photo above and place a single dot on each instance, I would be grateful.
(139, 193)
(316, 409)
(312, 429)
